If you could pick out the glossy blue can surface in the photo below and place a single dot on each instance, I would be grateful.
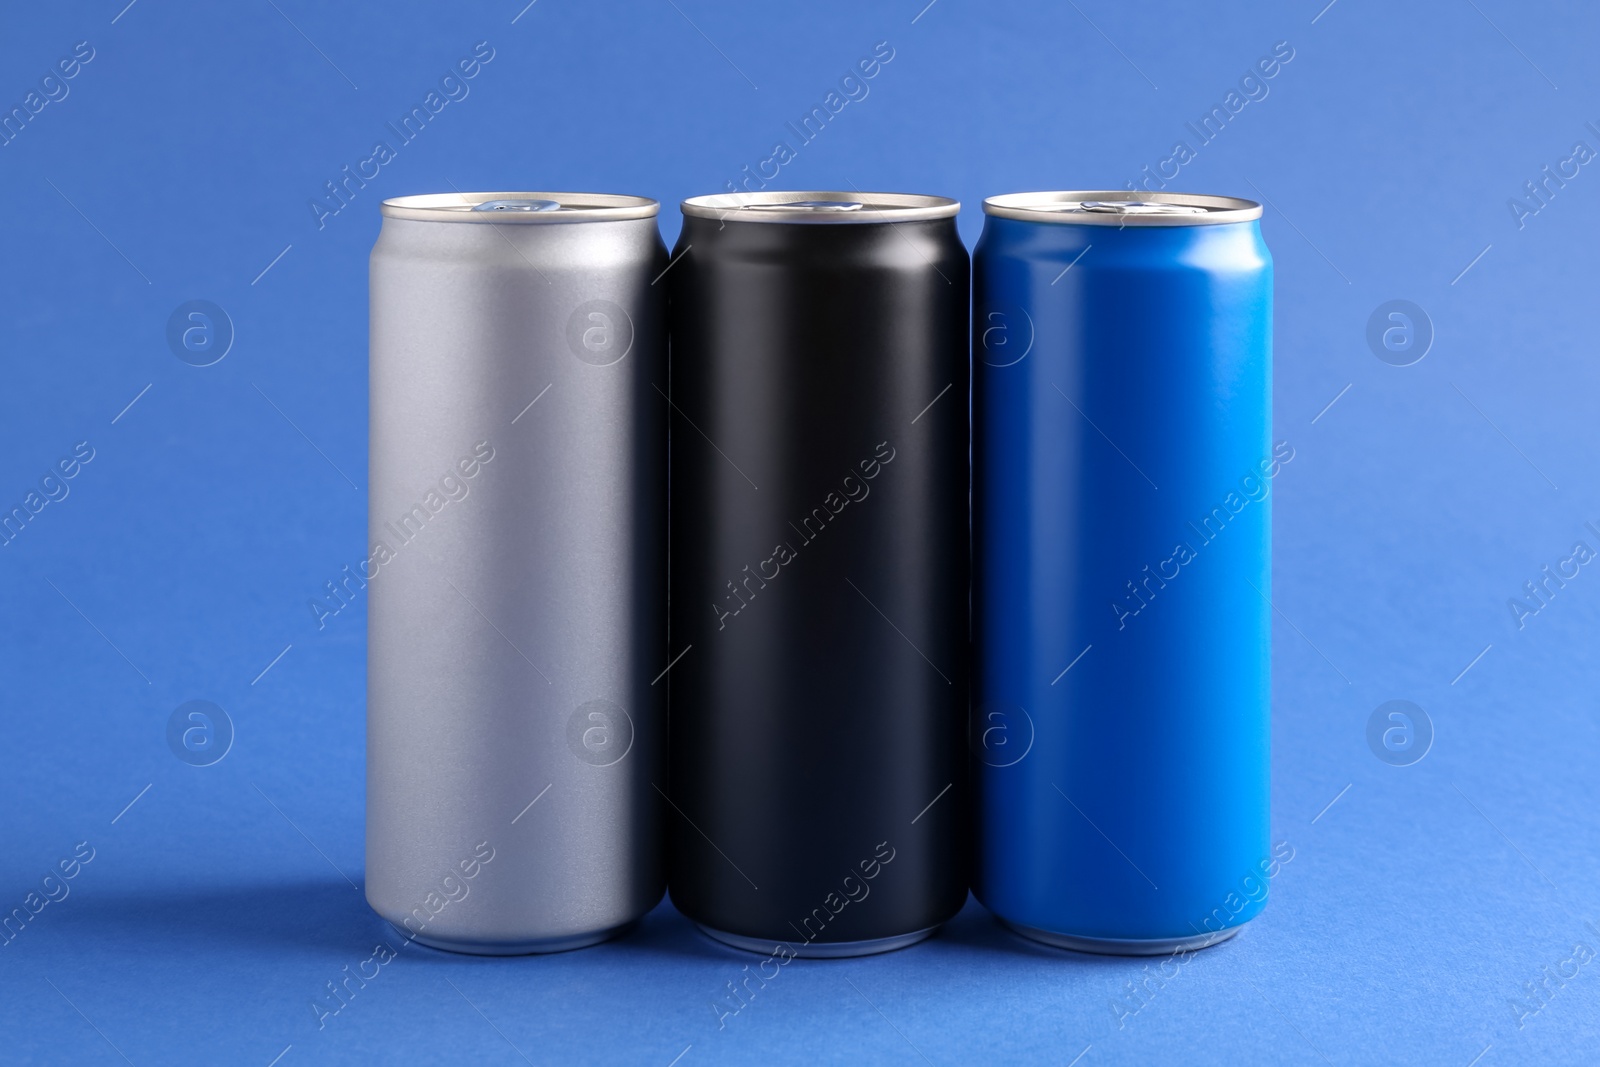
(1122, 473)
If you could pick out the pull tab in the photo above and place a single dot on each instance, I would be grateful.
(809, 205)
(517, 205)
(1136, 207)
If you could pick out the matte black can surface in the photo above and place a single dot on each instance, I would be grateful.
(819, 569)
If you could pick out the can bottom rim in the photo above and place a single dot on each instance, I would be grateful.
(1116, 946)
(821, 950)
(543, 945)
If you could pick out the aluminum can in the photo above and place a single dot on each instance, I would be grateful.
(1122, 465)
(820, 564)
(517, 569)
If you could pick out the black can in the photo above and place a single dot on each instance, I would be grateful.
(819, 570)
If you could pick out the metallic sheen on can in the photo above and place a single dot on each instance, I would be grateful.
(517, 577)
(819, 570)
(1122, 465)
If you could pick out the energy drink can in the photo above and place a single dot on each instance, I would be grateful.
(820, 567)
(1122, 411)
(517, 569)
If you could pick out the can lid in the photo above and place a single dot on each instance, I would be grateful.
(815, 206)
(517, 208)
(1120, 207)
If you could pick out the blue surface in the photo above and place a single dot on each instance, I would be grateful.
(1121, 514)
(1421, 900)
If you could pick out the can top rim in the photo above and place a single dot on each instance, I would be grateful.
(568, 207)
(1101, 207)
(816, 207)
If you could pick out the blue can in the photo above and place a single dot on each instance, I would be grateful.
(1122, 466)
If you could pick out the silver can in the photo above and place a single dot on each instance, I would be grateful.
(517, 569)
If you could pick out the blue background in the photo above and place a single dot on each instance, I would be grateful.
(180, 166)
